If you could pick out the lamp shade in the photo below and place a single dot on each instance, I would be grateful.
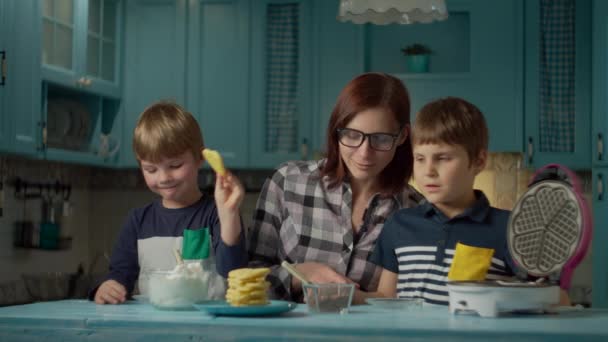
(382, 12)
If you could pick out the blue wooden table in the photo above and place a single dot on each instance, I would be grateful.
(79, 320)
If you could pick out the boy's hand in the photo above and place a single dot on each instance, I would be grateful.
(229, 193)
(111, 292)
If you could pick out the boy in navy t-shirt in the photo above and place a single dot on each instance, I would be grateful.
(168, 143)
(416, 246)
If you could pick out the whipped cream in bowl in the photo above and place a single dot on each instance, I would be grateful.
(179, 288)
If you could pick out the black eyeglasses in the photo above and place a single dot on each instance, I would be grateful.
(378, 141)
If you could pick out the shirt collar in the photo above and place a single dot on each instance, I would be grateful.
(477, 212)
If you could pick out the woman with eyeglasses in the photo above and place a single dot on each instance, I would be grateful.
(325, 216)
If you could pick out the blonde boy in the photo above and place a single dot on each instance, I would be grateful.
(167, 143)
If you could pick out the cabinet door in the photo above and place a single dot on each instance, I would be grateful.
(101, 67)
(557, 124)
(600, 236)
(339, 58)
(218, 75)
(4, 115)
(280, 91)
(80, 44)
(23, 91)
(599, 131)
(155, 55)
(59, 40)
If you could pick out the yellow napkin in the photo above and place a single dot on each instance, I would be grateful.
(470, 263)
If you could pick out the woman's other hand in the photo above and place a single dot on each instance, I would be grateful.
(318, 273)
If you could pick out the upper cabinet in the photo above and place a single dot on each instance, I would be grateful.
(281, 108)
(218, 76)
(155, 61)
(56, 108)
(558, 78)
(599, 131)
(4, 119)
(81, 44)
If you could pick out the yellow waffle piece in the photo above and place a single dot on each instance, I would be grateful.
(215, 160)
(247, 286)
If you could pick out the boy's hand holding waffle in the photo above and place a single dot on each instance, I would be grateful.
(247, 286)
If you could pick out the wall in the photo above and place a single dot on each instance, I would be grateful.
(101, 199)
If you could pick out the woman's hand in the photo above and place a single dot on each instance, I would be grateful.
(316, 272)
(111, 292)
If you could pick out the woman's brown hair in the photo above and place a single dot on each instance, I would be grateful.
(370, 91)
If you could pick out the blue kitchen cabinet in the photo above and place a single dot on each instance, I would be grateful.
(477, 54)
(600, 237)
(218, 75)
(339, 57)
(565, 136)
(81, 44)
(155, 61)
(4, 33)
(80, 73)
(281, 82)
(34, 129)
(22, 90)
(599, 131)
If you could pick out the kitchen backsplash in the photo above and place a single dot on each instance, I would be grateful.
(101, 199)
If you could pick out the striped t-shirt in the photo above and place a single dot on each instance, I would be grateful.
(418, 245)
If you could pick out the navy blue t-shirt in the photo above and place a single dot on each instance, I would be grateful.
(150, 233)
(418, 244)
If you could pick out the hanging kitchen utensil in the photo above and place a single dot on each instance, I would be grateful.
(548, 234)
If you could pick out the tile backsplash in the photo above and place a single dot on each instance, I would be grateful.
(101, 199)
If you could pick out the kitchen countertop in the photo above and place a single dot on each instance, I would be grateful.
(78, 320)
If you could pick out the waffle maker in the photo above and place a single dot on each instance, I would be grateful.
(548, 234)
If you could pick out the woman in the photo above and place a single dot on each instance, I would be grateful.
(325, 216)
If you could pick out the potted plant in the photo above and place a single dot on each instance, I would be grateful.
(417, 57)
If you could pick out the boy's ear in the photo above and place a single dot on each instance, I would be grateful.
(405, 133)
(480, 162)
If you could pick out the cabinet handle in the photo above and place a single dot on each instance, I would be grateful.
(530, 150)
(600, 146)
(600, 187)
(4, 68)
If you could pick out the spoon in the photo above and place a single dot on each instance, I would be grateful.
(178, 257)
(292, 270)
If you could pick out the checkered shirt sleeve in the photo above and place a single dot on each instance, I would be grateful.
(298, 218)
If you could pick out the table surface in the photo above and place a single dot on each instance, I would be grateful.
(79, 320)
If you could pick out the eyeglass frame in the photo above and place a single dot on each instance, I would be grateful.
(368, 136)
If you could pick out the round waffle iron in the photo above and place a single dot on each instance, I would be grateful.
(548, 234)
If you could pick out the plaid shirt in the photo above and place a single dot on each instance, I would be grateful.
(299, 219)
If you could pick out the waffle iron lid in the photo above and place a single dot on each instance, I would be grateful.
(546, 225)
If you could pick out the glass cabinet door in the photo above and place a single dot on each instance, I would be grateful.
(58, 33)
(102, 39)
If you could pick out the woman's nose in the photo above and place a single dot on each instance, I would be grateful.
(365, 147)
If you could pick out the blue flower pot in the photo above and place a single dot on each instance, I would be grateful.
(417, 63)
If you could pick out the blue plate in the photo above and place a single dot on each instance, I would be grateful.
(222, 308)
